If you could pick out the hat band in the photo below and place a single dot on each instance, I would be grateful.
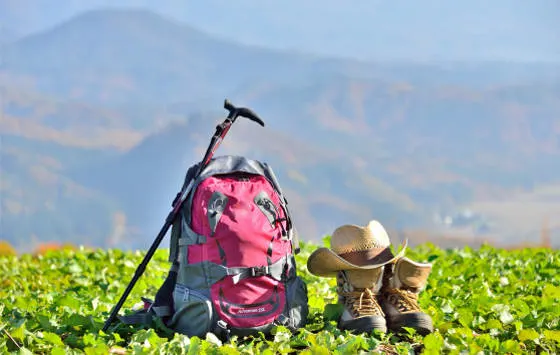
(369, 256)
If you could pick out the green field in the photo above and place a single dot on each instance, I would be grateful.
(482, 301)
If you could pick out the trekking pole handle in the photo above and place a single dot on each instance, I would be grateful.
(234, 112)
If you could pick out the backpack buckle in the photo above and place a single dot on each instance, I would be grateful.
(223, 329)
(259, 271)
(148, 303)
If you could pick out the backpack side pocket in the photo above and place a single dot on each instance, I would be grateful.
(297, 307)
(193, 312)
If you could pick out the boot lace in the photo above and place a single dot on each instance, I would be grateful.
(362, 302)
(404, 300)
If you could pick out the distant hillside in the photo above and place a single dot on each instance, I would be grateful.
(130, 56)
(123, 56)
(103, 114)
(40, 203)
(477, 30)
(7, 35)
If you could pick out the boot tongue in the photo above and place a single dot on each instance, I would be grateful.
(411, 274)
(360, 279)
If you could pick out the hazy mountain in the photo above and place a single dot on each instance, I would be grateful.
(102, 115)
(431, 30)
(136, 56)
(7, 35)
(128, 56)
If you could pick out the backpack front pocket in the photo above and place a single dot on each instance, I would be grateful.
(251, 302)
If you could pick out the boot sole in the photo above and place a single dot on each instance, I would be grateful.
(419, 321)
(364, 325)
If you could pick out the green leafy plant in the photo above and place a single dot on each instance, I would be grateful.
(489, 299)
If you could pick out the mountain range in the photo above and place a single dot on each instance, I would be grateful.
(477, 30)
(103, 113)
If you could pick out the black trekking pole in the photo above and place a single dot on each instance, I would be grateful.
(221, 130)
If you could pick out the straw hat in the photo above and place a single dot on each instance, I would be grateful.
(354, 248)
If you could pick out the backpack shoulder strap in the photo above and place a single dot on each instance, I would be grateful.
(269, 173)
(176, 226)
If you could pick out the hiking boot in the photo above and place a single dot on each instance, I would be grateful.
(357, 292)
(399, 295)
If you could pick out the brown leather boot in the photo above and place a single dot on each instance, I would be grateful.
(357, 292)
(399, 295)
(356, 256)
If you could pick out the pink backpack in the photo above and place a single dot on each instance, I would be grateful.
(232, 252)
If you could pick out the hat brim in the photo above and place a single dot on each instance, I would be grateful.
(324, 262)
